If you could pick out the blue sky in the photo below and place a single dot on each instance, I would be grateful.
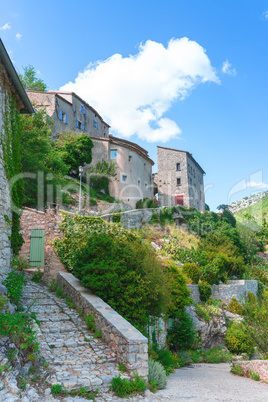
(221, 117)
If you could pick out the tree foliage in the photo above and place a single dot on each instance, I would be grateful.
(30, 81)
(74, 150)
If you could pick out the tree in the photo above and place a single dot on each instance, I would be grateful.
(30, 81)
(74, 150)
(39, 157)
(101, 174)
(222, 206)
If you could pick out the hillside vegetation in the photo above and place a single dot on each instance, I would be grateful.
(258, 210)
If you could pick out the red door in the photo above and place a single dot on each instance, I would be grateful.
(179, 200)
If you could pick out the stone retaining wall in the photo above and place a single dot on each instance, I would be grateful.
(195, 294)
(257, 366)
(130, 345)
(233, 289)
(237, 289)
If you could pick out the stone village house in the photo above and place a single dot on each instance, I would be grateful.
(10, 85)
(134, 167)
(179, 179)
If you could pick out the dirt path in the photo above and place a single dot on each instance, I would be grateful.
(212, 382)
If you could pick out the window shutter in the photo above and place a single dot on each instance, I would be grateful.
(81, 108)
(60, 114)
(84, 110)
(67, 117)
(83, 127)
(77, 123)
(97, 125)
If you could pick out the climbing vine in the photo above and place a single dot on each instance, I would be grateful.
(10, 140)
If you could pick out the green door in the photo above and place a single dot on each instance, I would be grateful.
(37, 248)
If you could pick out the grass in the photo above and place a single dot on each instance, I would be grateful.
(122, 387)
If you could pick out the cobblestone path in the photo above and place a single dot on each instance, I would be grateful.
(78, 359)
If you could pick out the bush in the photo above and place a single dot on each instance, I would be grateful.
(115, 264)
(168, 360)
(117, 217)
(235, 307)
(182, 334)
(205, 291)
(157, 374)
(215, 355)
(192, 271)
(237, 341)
(237, 370)
(145, 203)
(14, 283)
(123, 387)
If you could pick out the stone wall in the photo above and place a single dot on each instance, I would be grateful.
(130, 345)
(135, 218)
(195, 294)
(5, 202)
(257, 366)
(233, 289)
(49, 221)
(237, 289)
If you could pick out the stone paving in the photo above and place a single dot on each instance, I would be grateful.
(78, 359)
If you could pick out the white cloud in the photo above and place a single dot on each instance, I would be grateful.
(133, 93)
(265, 14)
(227, 68)
(18, 36)
(253, 184)
(5, 27)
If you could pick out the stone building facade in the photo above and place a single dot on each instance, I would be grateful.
(69, 112)
(134, 167)
(10, 85)
(179, 179)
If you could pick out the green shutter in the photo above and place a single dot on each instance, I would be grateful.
(37, 248)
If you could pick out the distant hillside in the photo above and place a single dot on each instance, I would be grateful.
(255, 205)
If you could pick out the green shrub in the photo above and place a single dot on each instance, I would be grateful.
(37, 276)
(167, 359)
(236, 369)
(181, 335)
(123, 387)
(205, 291)
(117, 218)
(20, 263)
(253, 375)
(115, 264)
(18, 328)
(90, 321)
(145, 203)
(157, 374)
(237, 340)
(14, 283)
(215, 355)
(235, 307)
(192, 271)
(57, 389)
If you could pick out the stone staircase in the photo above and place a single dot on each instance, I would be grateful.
(76, 359)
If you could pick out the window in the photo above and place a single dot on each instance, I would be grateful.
(113, 153)
(60, 114)
(178, 166)
(178, 181)
(130, 158)
(79, 124)
(65, 118)
(139, 183)
(145, 185)
(82, 109)
(124, 178)
(96, 124)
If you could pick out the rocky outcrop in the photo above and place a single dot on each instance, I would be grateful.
(213, 332)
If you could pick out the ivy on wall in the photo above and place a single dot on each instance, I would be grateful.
(10, 140)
